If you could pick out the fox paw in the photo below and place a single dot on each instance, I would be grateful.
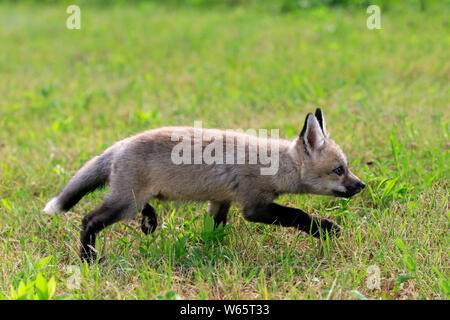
(90, 255)
(322, 226)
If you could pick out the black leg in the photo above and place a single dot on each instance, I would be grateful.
(221, 216)
(149, 221)
(219, 211)
(290, 217)
(94, 222)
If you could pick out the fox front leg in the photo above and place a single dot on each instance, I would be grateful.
(290, 217)
(219, 211)
(149, 221)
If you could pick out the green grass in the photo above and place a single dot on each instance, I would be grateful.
(67, 95)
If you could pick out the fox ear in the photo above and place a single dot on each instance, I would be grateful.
(312, 135)
(321, 119)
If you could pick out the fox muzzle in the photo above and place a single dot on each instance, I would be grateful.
(351, 189)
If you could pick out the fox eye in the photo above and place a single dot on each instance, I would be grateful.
(339, 171)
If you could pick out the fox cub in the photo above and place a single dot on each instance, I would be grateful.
(142, 167)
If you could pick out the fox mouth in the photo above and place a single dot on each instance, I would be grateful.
(351, 190)
(347, 194)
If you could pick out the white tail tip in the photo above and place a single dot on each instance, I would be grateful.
(52, 206)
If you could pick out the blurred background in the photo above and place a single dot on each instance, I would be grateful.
(277, 5)
(66, 95)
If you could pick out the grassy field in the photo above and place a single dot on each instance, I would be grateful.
(68, 94)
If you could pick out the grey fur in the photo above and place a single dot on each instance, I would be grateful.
(140, 168)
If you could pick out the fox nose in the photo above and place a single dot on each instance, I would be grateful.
(356, 187)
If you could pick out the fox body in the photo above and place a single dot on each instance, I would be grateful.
(142, 167)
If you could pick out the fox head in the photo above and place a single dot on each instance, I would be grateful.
(322, 164)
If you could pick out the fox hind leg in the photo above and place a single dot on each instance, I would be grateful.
(149, 221)
(104, 215)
